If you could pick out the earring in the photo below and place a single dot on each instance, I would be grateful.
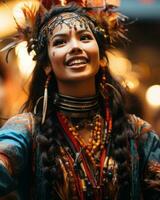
(103, 65)
(45, 99)
(103, 84)
(104, 91)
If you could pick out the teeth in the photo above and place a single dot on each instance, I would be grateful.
(78, 61)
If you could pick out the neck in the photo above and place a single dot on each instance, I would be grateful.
(77, 89)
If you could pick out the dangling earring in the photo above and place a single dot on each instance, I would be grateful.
(47, 71)
(104, 92)
(103, 84)
(103, 65)
(45, 99)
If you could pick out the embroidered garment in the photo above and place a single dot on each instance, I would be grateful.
(16, 144)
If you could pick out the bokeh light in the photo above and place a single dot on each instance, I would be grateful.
(153, 95)
(18, 13)
(25, 61)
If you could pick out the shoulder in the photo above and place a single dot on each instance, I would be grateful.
(146, 138)
(147, 143)
(23, 121)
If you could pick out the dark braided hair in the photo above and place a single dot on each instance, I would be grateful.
(121, 131)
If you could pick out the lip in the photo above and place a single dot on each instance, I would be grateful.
(77, 67)
(71, 59)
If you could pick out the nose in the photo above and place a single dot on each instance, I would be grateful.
(75, 47)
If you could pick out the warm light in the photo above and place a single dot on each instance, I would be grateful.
(118, 64)
(96, 3)
(63, 2)
(2, 93)
(153, 95)
(6, 19)
(113, 2)
(25, 62)
(18, 13)
(131, 81)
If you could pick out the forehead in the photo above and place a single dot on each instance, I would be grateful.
(68, 21)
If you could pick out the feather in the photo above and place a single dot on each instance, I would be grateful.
(48, 3)
(10, 45)
(110, 22)
(113, 2)
(95, 3)
(26, 29)
(84, 3)
(9, 50)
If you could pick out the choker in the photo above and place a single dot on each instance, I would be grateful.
(76, 106)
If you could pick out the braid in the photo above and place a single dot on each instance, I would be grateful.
(120, 141)
(121, 154)
(51, 168)
(121, 133)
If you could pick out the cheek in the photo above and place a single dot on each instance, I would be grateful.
(95, 57)
(94, 52)
(55, 58)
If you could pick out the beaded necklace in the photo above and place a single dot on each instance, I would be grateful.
(96, 141)
(87, 184)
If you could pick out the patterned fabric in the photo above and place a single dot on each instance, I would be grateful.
(16, 143)
(145, 150)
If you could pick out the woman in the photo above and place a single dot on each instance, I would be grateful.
(79, 143)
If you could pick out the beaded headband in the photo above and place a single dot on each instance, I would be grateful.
(69, 19)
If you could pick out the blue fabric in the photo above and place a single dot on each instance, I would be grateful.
(7, 183)
(16, 143)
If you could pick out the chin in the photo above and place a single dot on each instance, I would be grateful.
(82, 77)
(84, 74)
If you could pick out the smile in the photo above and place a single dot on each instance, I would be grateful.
(76, 61)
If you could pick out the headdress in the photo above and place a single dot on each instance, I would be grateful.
(110, 22)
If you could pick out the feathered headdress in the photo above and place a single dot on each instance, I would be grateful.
(103, 11)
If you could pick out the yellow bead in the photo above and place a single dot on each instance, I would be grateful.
(90, 140)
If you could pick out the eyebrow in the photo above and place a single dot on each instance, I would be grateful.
(65, 34)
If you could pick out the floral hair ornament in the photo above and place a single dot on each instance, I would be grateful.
(110, 22)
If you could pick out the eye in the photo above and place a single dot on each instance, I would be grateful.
(86, 37)
(59, 42)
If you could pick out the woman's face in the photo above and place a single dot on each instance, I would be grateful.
(73, 51)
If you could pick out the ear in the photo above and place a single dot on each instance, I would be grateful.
(48, 70)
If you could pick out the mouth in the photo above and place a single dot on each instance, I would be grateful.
(76, 62)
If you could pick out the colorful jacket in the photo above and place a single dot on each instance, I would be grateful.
(16, 143)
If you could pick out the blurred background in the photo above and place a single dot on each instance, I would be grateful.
(136, 63)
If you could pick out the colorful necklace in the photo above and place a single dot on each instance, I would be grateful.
(96, 143)
(96, 140)
(88, 167)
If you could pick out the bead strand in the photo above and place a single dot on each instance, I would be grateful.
(96, 140)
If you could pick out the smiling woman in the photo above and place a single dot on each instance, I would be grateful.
(74, 49)
(74, 139)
